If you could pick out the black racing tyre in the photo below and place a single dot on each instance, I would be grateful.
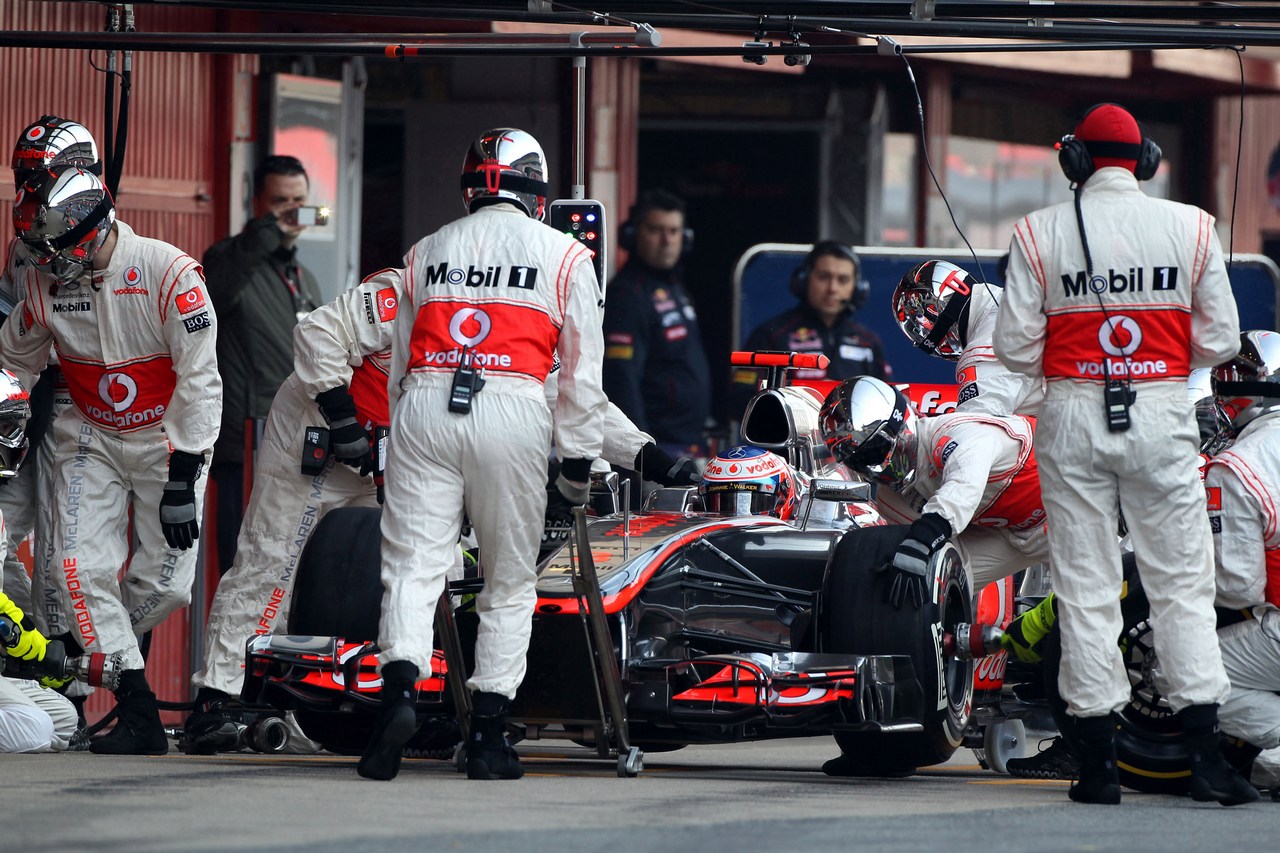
(1151, 752)
(338, 591)
(856, 618)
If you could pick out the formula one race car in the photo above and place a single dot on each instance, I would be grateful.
(711, 628)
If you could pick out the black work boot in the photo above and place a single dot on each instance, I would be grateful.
(1057, 761)
(138, 730)
(1212, 778)
(489, 756)
(1099, 780)
(396, 723)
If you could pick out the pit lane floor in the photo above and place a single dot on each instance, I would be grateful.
(769, 796)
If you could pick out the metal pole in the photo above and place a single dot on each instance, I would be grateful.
(579, 143)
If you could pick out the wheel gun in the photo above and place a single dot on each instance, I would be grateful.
(94, 668)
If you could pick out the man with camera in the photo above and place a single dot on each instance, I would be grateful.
(258, 287)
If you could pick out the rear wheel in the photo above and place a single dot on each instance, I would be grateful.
(338, 591)
(857, 619)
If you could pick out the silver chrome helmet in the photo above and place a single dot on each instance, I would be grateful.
(53, 141)
(1248, 385)
(505, 164)
(1211, 420)
(63, 217)
(870, 426)
(928, 302)
(15, 409)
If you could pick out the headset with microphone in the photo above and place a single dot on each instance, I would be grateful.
(834, 248)
(646, 203)
(1076, 156)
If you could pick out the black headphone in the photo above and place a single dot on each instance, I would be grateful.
(627, 235)
(1075, 156)
(800, 278)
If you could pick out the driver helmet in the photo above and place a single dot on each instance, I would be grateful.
(870, 426)
(15, 409)
(747, 480)
(928, 303)
(505, 164)
(53, 141)
(63, 216)
(1241, 384)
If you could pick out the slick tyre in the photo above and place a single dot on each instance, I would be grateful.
(856, 618)
(1150, 749)
(338, 592)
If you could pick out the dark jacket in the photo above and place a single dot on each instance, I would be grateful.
(854, 349)
(249, 277)
(655, 369)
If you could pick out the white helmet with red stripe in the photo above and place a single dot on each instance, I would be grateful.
(505, 164)
(53, 141)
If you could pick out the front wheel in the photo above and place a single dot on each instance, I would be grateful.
(857, 619)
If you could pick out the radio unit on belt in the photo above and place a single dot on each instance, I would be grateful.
(467, 382)
(1117, 397)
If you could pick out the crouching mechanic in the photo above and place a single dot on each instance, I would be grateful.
(482, 448)
(969, 478)
(1243, 485)
(33, 717)
(135, 337)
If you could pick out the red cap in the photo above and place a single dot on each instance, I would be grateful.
(1110, 123)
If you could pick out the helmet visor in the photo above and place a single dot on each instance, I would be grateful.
(737, 499)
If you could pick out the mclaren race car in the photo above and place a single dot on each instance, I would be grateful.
(667, 626)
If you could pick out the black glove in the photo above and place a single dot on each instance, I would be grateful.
(656, 465)
(910, 562)
(348, 441)
(568, 492)
(178, 504)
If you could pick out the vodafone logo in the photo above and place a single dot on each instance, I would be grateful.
(1121, 336)
(469, 326)
(37, 133)
(117, 390)
(192, 300)
(132, 275)
(387, 304)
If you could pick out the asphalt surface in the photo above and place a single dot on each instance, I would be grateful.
(769, 796)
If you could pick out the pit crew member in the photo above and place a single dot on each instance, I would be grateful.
(135, 336)
(496, 293)
(946, 312)
(1114, 299)
(47, 142)
(1243, 484)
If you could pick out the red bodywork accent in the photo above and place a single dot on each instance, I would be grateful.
(645, 524)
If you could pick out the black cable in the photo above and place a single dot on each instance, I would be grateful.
(924, 149)
(1235, 186)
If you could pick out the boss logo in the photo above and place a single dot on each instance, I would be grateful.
(196, 323)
